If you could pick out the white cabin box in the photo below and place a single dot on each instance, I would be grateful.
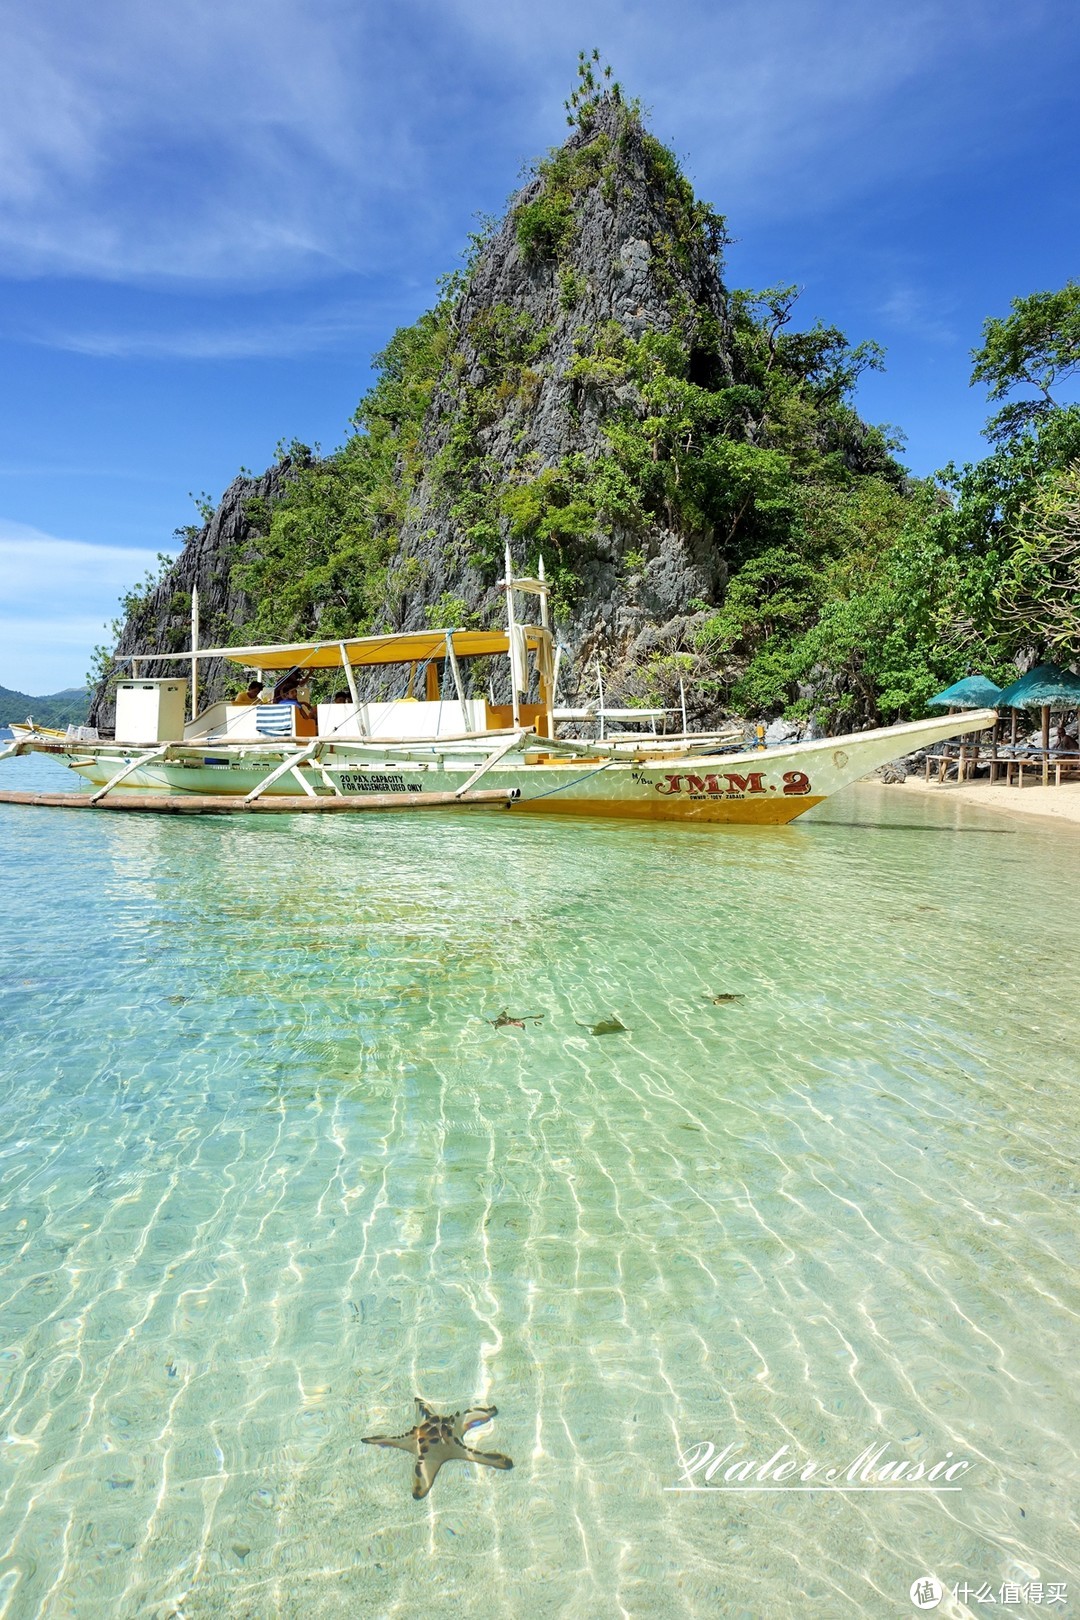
(150, 711)
(403, 719)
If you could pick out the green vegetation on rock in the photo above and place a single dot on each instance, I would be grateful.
(588, 387)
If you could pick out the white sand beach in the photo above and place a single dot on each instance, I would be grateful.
(1056, 803)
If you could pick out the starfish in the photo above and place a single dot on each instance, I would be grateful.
(721, 1000)
(504, 1020)
(436, 1440)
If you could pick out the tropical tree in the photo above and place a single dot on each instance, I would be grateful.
(1040, 585)
(1037, 346)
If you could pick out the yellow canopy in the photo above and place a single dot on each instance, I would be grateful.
(408, 648)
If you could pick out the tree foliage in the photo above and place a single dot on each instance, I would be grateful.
(1040, 581)
(1037, 346)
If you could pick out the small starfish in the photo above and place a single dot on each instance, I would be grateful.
(436, 1440)
(721, 1000)
(504, 1020)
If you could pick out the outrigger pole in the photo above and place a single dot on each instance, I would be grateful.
(222, 804)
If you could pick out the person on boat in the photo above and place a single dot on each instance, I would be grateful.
(288, 691)
(341, 697)
(252, 693)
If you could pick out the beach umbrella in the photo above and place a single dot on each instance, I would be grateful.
(1045, 687)
(973, 692)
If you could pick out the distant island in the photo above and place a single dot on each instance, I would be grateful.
(67, 708)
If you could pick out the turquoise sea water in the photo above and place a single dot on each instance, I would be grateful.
(267, 1171)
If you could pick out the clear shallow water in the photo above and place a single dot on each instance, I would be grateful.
(266, 1172)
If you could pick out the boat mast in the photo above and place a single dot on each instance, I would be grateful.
(451, 659)
(600, 690)
(194, 651)
(349, 675)
(547, 689)
(510, 633)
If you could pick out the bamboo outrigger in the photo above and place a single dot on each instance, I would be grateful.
(219, 804)
(440, 751)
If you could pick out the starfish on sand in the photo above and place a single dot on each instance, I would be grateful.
(504, 1020)
(436, 1440)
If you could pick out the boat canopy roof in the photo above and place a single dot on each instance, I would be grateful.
(403, 648)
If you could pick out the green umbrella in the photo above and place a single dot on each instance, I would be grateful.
(1044, 687)
(973, 692)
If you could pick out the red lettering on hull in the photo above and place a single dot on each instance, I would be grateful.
(750, 783)
(737, 786)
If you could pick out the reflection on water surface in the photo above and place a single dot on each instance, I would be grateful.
(270, 1166)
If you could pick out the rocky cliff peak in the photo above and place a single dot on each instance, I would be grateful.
(603, 279)
(587, 389)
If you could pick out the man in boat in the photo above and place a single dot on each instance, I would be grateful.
(294, 689)
(252, 693)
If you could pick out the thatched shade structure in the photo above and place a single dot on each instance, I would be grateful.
(1045, 687)
(973, 692)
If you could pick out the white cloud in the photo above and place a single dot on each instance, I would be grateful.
(917, 313)
(262, 140)
(58, 597)
(779, 105)
(273, 338)
(206, 138)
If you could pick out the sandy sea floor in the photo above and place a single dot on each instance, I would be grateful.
(273, 1161)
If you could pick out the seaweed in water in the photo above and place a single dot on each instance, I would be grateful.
(604, 1026)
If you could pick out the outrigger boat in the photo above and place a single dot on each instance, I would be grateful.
(443, 749)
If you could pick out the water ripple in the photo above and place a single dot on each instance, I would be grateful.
(267, 1171)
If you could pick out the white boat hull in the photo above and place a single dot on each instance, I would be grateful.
(754, 787)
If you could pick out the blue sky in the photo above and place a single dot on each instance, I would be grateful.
(213, 213)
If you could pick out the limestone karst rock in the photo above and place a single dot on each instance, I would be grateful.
(626, 265)
(162, 621)
(590, 390)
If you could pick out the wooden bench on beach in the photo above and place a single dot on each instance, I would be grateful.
(1046, 765)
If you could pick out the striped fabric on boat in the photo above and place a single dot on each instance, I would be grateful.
(275, 719)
